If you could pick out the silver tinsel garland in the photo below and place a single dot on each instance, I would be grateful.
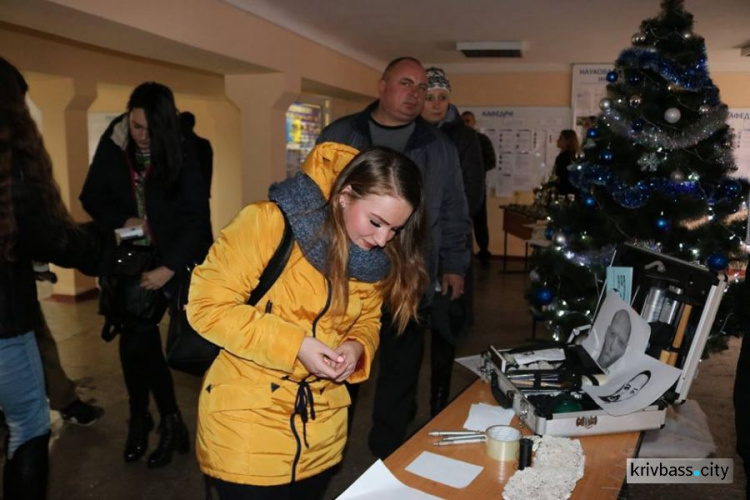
(654, 137)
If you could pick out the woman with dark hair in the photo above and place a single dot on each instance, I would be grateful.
(144, 175)
(272, 416)
(34, 225)
(569, 146)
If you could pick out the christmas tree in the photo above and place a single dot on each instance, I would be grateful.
(654, 171)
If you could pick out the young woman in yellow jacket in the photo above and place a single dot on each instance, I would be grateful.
(273, 407)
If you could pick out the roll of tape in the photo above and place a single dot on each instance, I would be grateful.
(502, 442)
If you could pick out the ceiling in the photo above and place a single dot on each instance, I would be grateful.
(555, 33)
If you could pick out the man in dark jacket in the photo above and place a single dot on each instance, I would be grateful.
(451, 318)
(394, 121)
(481, 230)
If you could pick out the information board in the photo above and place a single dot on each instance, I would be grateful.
(525, 142)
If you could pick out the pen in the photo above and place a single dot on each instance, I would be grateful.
(454, 433)
(444, 442)
(481, 437)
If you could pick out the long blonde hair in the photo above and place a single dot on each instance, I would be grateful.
(382, 172)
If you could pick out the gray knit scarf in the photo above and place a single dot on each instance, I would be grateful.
(304, 205)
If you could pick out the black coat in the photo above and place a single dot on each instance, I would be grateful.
(488, 152)
(470, 156)
(562, 161)
(39, 238)
(205, 155)
(178, 217)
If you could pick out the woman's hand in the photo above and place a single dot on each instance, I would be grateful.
(157, 278)
(319, 359)
(351, 351)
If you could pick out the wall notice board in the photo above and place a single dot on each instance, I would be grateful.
(525, 141)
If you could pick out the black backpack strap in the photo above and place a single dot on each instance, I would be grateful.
(276, 265)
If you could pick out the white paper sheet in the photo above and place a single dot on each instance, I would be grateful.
(643, 381)
(524, 358)
(444, 470)
(473, 363)
(618, 338)
(377, 483)
(482, 415)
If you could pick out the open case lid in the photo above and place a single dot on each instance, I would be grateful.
(701, 287)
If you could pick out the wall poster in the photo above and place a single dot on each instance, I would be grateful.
(304, 123)
(588, 87)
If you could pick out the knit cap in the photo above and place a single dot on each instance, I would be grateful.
(436, 79)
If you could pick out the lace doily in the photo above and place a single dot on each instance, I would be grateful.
(557, 467)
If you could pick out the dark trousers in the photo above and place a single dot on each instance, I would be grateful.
(481, 229)
(145, 368)
(742, 404)
(396, 387)
(61, 391)
(311, 488)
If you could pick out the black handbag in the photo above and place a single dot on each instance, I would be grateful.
(121, 295)
(187, 350)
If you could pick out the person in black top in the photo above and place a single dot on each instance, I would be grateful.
(569, 146)
(144, 174)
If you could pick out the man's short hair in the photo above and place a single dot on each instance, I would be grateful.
(395, 63)
(467, 113)
(187, 120)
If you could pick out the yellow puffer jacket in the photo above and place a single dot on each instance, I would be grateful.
(245, 430)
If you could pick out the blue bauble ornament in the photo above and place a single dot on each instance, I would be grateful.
(543, 295)
(636, 125)
(606, 156)
(662, 223)
(634, 79)
(717, 261)
(592, 133)
(588, 201)
(549, 233)
(612, 76)
(730, 189)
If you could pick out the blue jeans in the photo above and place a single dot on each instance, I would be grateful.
(22, 395)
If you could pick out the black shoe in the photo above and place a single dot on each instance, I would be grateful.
(174, 437)
(80, 413)
(137, 442)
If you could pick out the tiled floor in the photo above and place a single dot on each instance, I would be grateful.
(86, 462)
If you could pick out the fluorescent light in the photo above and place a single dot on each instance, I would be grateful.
(491, 49)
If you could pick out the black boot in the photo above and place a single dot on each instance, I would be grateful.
(137, 442)
(25, 475)
(174, 437)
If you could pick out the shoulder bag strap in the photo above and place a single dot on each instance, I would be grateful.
(276, 265)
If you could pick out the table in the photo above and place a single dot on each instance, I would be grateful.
(517, 220)
(605, 456)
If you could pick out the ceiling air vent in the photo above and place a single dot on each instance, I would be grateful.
(490, 49)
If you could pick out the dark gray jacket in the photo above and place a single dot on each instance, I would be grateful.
(437, 158)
